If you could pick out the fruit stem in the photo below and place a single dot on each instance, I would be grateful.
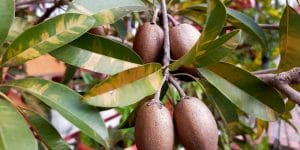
(172, 19)
(154, 17)
(167, 56)
(166, 59)
(175, 83)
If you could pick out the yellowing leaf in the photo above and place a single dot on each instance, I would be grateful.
(46, 37)
(127, 87)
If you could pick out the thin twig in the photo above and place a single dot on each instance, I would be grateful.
(19, 4)
(283, 81)
(158, 92)
(50, 10)
(155, 14)
(166, 58)
(172, 19)
(263, 26)
(177, 86)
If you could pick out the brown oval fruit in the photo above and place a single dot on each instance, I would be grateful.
(148, 42)
(182, 39)
(154, 127)
(195, 125)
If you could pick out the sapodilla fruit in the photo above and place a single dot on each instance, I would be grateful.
(148, 42)
(154, 127)
(195, 125)
(182, 39)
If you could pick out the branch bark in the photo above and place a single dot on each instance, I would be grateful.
(283, 81)
(263, 26)
(34, 2)
(50, 10)
(166, 58)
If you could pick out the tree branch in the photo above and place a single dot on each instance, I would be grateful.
(34, 2)
(50, 10)
(166, 58)
(282, 82)
(263, 26)
(177, 86)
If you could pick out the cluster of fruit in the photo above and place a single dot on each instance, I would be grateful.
(194, 124)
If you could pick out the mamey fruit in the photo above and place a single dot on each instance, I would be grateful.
(154, 127)
(182, 39)
(149, 42)
(195, 125)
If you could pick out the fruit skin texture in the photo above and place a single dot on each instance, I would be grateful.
(182, 39)
(154, 127)
(148, 42)
(195, 125)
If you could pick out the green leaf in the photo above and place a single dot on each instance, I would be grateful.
(7, 14)
(69, 73)
(248, 25)
(226, 109)
(127, 87)
(46, 132)
(67, 103)
(121, 29)
(195, 16)
(46, 37)
(18, 26)
(289, 30)
(246, 91)
(218, 49)
(216, 17)
(214, 25)
(98, 54)
(14, 131)
(236, 18)
(239, 128)
(107, 12)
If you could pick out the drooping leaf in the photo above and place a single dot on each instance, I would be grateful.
(289, 30)
(216, 17)
(7, 14)
(213, 26)
(248, 25)
(98, 54)
(246, 91)
(226, 109)
(14, 131)
(236, 18)
(46, 37)
(218, 49)
(46, 132)
(107, 12)
(127, 87)
(67, 103)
